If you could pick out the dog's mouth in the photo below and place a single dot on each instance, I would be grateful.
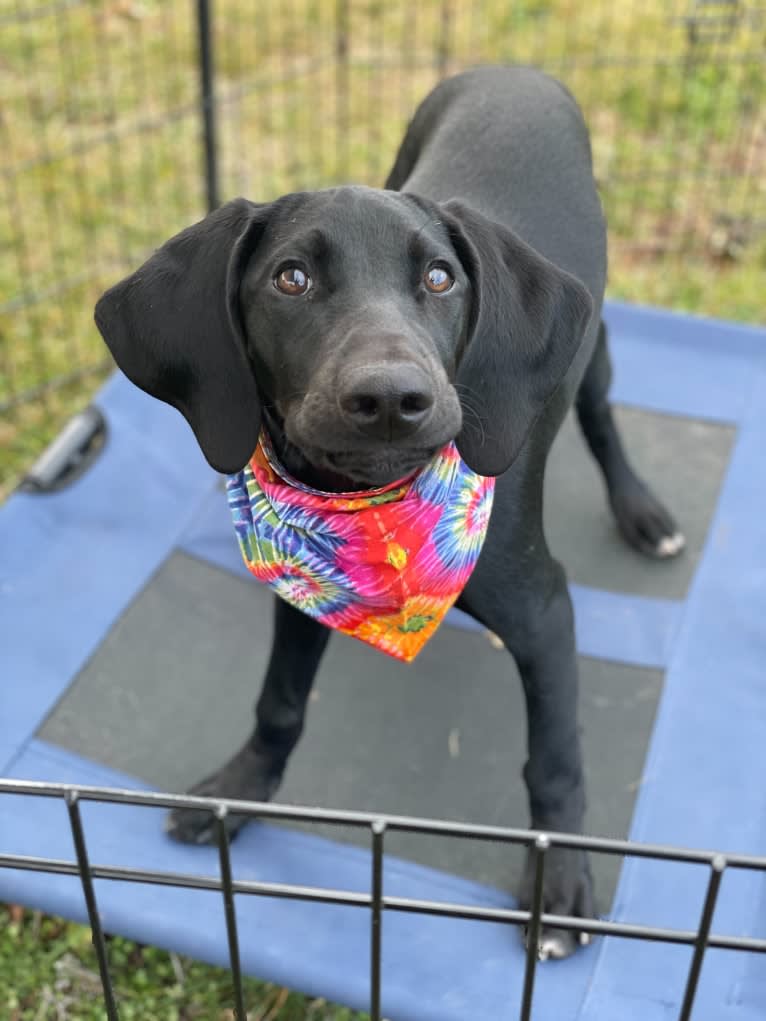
(347, 469)
(375, 469)
(320, 449)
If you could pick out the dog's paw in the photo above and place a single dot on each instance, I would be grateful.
(567, 890)
(643, 521)
(246, 777)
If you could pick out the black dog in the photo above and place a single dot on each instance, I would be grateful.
(366, 328)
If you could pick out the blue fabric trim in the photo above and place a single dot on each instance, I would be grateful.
(625, 628)
(680, 364)
(71, 562)
(703, 781)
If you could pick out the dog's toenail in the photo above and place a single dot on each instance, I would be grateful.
(670, 545)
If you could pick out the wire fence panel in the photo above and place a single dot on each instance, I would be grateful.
(376, 901)
(114, 110)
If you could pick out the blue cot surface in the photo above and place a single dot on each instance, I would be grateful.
(71, 563)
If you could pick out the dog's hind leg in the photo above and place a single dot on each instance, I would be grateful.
(643, 521)
(255, 771)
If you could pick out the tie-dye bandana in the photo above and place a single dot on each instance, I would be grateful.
(383, 566)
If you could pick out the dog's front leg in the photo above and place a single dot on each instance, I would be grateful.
(544, 650)
(255, 771)
(533, 616)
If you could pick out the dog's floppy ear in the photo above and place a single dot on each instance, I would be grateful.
(174, 329)
(528, 319)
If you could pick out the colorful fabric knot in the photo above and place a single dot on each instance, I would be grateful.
(383, 566)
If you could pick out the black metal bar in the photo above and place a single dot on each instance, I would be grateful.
(595, 927)
(111, 137)
(342, 86)
(378, 832)
(231, 914)
(376, 47)
(407, 824)
(115, 158)
(717, 867)
(443, 44)
(704, 54)
(56, 383)
(25, 15)
(44, 294)
(21, 248)
(317, 115)
(207, 101)
(73, 807)
(51, 256)
(147, 124)
(153, 877)
(88, 235)
(533, 930)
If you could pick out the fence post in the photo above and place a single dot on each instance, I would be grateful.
(207, 101)
(342, 88)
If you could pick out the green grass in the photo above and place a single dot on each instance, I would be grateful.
(48, 971)
(98, 175)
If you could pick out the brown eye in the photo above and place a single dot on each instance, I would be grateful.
(292, 280)
(438, 279)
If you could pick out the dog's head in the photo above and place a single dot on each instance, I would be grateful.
(371, 327)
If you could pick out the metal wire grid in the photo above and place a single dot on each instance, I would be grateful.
(377, 902)
(124, 121)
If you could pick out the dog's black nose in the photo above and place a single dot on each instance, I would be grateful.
(386, 401)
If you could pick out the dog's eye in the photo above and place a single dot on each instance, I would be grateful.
(438, 279)
(292, 280)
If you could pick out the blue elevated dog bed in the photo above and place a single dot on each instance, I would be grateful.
(82, 571)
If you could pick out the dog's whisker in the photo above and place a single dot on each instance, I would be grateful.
(465, 388)
(478, 422)
(473, 417)
(473, 420)
(295, 395)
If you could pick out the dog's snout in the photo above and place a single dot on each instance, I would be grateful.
(386, 401)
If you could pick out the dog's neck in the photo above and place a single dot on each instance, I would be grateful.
(294, 462)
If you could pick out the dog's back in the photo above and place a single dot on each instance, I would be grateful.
(511, 142)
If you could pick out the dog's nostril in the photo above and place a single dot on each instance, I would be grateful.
(414, 404)
(361, 405)
(367, 405)
(386, 401)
